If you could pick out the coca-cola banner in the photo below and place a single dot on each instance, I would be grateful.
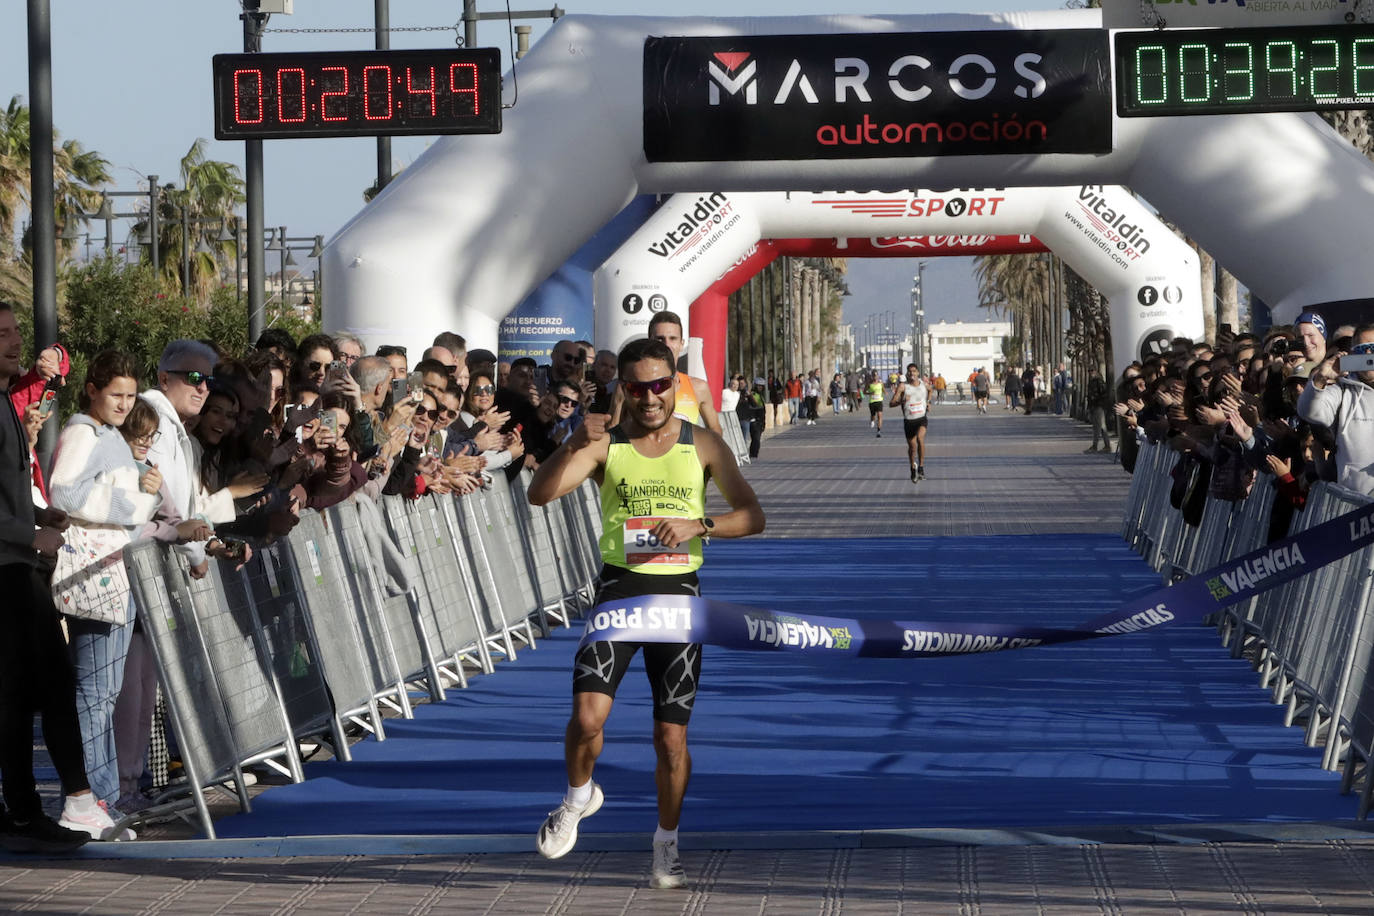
(863, 96)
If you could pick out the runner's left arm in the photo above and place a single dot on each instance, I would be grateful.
(745, 516)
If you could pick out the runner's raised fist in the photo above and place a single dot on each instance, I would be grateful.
(593, 429)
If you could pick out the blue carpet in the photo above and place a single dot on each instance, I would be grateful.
(1154, 728)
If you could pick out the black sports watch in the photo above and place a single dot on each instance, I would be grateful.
(709, 524)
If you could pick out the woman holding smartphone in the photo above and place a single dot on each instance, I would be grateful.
(100, 486)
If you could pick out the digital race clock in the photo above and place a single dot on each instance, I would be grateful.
(357, 93)
(1231, 71)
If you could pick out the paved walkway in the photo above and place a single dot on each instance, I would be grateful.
(997, 474)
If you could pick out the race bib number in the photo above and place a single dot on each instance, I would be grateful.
(642, 548)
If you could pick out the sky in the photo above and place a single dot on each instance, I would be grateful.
(131, 79)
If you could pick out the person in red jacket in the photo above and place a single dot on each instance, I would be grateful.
(52, 362)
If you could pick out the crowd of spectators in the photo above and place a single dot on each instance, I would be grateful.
(1277, 403)
(222, 452)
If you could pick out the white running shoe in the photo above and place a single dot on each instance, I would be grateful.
(558, 835)
(84, 813)
(668, 871)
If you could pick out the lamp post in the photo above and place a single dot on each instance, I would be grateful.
(918, 315)
(106, 212)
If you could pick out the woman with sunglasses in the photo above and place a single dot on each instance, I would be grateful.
(483, 420)
(108, 497)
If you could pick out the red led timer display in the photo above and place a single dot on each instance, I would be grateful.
(357, 93)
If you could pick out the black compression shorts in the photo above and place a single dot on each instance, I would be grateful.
(911, 426)
(673, 669)
(875, 408)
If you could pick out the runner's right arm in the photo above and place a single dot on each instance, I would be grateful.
(898, 394)
(581, 456)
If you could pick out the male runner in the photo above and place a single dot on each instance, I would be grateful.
(982, 385)
(651, 545)
(694, 403)
(913, 396)
(874, 390)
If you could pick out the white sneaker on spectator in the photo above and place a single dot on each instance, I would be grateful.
(83, 812)
(667, 871)
(558, 834)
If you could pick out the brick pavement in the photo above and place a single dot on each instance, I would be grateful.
(1281, 878)
(994, 474)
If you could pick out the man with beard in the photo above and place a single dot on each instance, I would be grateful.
(651, 545)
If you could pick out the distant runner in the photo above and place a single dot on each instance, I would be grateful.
(874, 390)
(913, 396)
(982, 385)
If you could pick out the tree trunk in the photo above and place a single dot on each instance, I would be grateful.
(1228, 299)
(1206, 267)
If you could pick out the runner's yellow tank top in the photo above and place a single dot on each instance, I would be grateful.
(636, 492)
(687, 407)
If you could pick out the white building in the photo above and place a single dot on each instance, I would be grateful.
(957, 348)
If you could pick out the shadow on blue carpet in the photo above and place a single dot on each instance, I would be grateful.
(1160, 727)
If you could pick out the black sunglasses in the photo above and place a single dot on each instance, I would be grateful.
(432, 414)
(484, 389)
(563, 399)
(656, 386)
(314, 366)
(390, 349)
(193, 378)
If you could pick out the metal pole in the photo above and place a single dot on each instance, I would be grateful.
(253, 182)
(382, 13)
(469, 23)
(281, 288)
(238, 269)
(41, 196)
(152, 223)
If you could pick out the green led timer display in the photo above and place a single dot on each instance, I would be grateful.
(1233, 71)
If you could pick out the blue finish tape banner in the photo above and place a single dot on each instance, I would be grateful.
(684, 619)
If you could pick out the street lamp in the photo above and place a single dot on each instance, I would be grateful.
(106, 212)
(918, 316)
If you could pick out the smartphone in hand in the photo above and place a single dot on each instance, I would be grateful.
(46, 404)
(399, 388)
(330, 421)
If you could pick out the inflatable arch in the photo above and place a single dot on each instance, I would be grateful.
(477, 222)
(708, 315)
(1148, 274)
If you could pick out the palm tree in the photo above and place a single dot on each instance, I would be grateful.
(78, 173)
(210, 190)
(14, 170)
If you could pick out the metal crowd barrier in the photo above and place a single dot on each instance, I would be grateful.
(733, 434)
(1310, 638)
(325, 627)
